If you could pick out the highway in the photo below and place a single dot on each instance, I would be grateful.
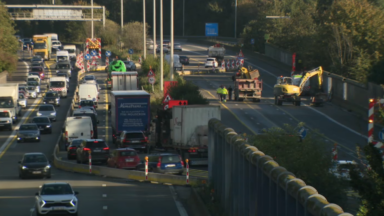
(98, 196)
(338, 126)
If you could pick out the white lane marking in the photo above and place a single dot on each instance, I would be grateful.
(266, 71)
(104, 185)
(179, 206)
(21, 121)
(104, 195)
(105, 207)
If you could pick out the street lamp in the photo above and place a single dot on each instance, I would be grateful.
(122, 15)
(154, 28)
(92, 18)
(144, 35)
(172, 41)
(235, 18)
(161, 47)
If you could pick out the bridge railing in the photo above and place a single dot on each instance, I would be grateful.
(248, 182)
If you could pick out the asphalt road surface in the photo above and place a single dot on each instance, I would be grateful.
(98, 196)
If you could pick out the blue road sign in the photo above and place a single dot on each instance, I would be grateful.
(211, 29)
(93, 53)
(87, 57)
(130, 51)
(303, 132)
(381, 134)
(252, 41)
(108, 53)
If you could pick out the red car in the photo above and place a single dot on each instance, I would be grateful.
(40, 70)
(124, 158)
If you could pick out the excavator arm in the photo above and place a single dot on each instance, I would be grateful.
(317, 71)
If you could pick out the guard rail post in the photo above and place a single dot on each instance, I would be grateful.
(146, 168)
(90, 162)
(187, 171)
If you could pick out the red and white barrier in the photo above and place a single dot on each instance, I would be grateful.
(88, 66)
(334, 152)
(223, 65)
(371, 124)
(140, 60)
(237, 63)
(233, 64)
(187, 171)
(228, 63)
(90, 162)
(146, 168)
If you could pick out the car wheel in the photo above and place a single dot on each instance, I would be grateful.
(21, 176)
(54, 120)
(18, 141)
(37, 213)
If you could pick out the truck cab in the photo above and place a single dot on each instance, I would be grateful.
(62, 56)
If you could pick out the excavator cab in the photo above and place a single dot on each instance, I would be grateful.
(284, 80)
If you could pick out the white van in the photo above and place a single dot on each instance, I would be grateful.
(62, 56)
(33, 78)
(71, 51)
(60, 85)
(176, 61)
(78, 127)
(89, 91)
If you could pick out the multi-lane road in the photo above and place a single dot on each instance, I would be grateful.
(337, 125)
(98, 196)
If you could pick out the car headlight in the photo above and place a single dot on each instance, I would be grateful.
(24, 167)
(57, 99)
(48, 167)
(53, 113)
(8, 121)
(42, 203)
(73, 202)
(48, 126)
(39, 114)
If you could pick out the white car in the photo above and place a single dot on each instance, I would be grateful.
(211, 62)
(22, 101)
(341, 169)
(58, 197)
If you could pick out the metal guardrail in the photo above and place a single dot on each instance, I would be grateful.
(30, 16)
(248, 182)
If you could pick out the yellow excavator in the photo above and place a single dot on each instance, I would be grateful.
(285, 91)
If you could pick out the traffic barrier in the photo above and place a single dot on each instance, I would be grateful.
(187, 174)
(146, 168)
(248, 182)
(90, 162)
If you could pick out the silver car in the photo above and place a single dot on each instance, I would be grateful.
(177, 47)
(32, 92)
(47, 110)
(34, 83)
(64, 67)
(22, 101)
(28, 132)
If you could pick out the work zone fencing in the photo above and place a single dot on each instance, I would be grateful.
(248, 182)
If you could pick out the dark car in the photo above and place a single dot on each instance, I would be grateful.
(43, 123)
(52, 97)
(27, 42)
(133, 139)
(40, 70)
(28, 132)
(37, 58)
(87, 104)
(166, 163)
(184, 60)
(99, 151)
(38, 64)
(130, 65)
(72, 147)
(33, 165)
(64, 67)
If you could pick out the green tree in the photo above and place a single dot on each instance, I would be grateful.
(8, 42)
(370, 186)
(185, 90)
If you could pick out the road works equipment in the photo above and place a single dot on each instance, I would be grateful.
(286, 91)
(247, 84)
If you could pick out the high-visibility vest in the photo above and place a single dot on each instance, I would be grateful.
(225, 91)
(219, 91)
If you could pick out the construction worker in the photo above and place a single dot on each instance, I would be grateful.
(224, 94)
(230, 93)
(219, 92)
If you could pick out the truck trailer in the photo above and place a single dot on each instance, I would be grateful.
(185, 129)
(124, 81)
(130, 111)
(9, 93)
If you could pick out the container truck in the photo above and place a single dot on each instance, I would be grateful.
(185, 129)
(217, 51)
(9, 93)
(114, 66)
(130, 111)
(124, 81)
(42, 46)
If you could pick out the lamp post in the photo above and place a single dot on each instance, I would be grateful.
(161, 47)
(92, 18)
(172, 40)
(144, 35)
(235, 18)
(183, 16)
(154, 28)
(122, 15)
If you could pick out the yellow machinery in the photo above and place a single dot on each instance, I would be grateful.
(285, 91)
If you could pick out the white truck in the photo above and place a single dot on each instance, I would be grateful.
(216, 51)
(89, 91)
(71, 51)
(176, 61)
(62, 56)
(60, 85)
(124, 81)
(9, 94)
(78, 127)
(185, 129)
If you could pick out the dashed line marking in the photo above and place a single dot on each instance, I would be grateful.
(105, 207)
(104, 195)
(104, 185)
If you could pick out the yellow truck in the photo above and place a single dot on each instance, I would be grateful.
(42, 46)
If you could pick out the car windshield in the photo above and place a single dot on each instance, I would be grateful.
(51, 94)
(27, 40)
(76, 142)
(21, 97)
(36, 64)
(46, 108)
(86, 103)
(63, 66)
(95, 144)
(55, 43)
(62, 58)
(89, 78)
(70, 50)
(28, 127)
(170, 159)
(134, 135)
(33, 79)
(58, 189)
(92, 115)
(209, 60)
(40, 46)
(33, 84)
(4, 114)
(40, 120)
(57, 84)
(62, 74)
(38, 69)
(36, 74)
(35, 159)
(127, 153)
(31, 88)
(6, 103)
